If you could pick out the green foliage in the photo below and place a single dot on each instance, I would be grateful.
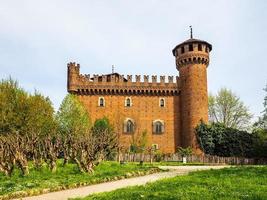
(64, 177)
(72, 116)
(139, 142)
(22, 112)
(103, 124)
(105, 137)
(184, 152)
(229, 183)
(226, 108)
(265, 106)
(216, 139)
(262, 121)
(260, 144)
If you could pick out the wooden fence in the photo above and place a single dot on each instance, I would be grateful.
(208, 159)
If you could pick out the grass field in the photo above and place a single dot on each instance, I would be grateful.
(228, 183)
(66, 177)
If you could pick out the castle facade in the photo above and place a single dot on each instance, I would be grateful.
(167, 110)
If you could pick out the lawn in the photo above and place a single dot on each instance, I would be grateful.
(228, 183)
(66, 177)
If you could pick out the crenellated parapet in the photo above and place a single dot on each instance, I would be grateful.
(119, 84)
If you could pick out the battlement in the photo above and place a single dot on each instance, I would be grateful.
(117, 83)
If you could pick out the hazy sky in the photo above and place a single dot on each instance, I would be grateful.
(39, 37)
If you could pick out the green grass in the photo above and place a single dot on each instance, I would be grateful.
(229, 183)
(65, 177)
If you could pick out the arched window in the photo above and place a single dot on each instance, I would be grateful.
(101, 102)
(162, 102)
(182, 49)
(190, 47)
(128, 126)
(128, 102)
(158, 127)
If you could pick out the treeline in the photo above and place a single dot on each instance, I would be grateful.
(227, 134)
(30, 131)
(216, 139)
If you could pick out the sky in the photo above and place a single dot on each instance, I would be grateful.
(39, 37)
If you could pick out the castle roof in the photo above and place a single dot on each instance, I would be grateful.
(190, 41)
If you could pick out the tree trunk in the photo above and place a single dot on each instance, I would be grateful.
(53, 166)
(22, 163)
(79, 165)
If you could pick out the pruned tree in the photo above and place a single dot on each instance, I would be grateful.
(227, 109)
(87, 146)
(73, 121)
(25, 119)
(105, 138)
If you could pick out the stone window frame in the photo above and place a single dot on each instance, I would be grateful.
(103, 103)
(160, 102)
(126, 128)
(155, 127)
(128, 102)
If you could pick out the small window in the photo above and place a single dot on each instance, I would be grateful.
(199, 47)
(128, 126)
(158, 127)
(162, 102)
(128, 102)
(182, 49)
(101, 102)
(207, 49)
(190, 47)
(155, 147)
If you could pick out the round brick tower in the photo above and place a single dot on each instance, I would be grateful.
(192, 60)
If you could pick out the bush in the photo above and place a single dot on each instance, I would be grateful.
(216, 139)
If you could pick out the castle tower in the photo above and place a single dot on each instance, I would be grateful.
(73, 74)
(192, 60)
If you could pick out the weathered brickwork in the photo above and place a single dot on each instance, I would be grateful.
(178, 103)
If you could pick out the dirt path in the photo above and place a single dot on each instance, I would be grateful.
(109, 186)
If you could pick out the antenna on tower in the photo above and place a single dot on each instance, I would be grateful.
(112, 69)
(191, 32)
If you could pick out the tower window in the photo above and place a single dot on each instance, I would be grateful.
(101, 102)
(199, 47)
(128, 102)
(158, 127)
(182, 49)
(207, 49)
(162, 102)
(190, 47)
(128, 126)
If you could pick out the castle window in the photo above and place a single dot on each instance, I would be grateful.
(190, 47)
(128, 126)
(128, 102)
(162, 102)
(182, 49)
(101, 102)
(158, 127)
(207, 49)
(199, 47)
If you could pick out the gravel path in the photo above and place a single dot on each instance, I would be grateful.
(113, 185)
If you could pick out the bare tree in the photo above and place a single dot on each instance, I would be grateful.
(228, 109)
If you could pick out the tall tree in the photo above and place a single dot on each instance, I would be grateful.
(72, 116)
(262, 123)
(227, 109)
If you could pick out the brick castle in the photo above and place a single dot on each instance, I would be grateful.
(167, 110)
